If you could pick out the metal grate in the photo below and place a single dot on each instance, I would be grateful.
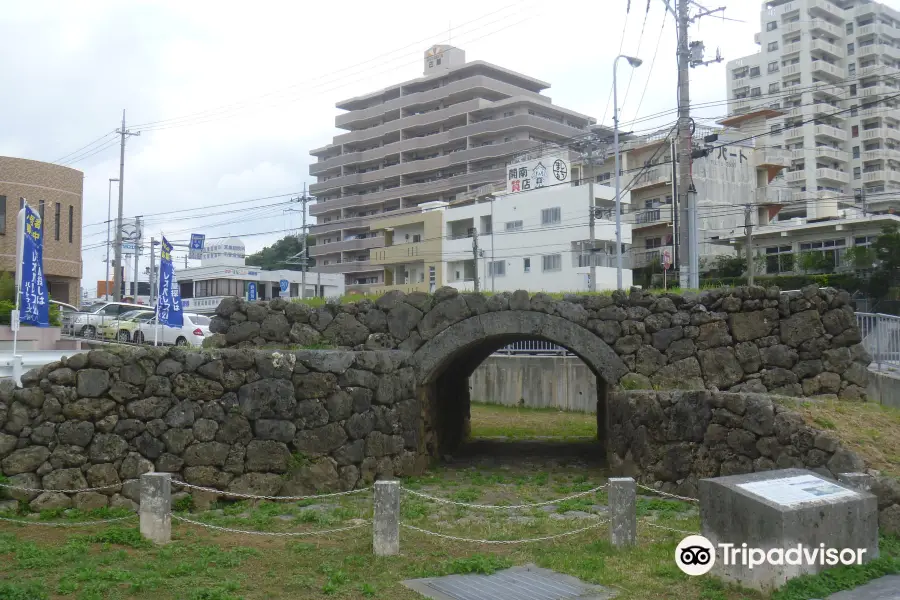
(519, 583)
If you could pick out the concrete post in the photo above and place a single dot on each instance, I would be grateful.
(386, 525)
(860, 481)
(622, 512)
(156, 507)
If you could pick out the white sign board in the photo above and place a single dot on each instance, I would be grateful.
(796, 490)
(14, 320)
(537, 173)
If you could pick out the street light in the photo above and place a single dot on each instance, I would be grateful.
(635, 63)
(108, 241)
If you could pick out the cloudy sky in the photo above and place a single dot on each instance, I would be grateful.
(231, 96)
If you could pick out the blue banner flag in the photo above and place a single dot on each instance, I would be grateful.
(168, 306)
(251, 292)
(34, 305)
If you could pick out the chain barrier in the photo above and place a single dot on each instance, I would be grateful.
(662, 493)
(27, 489)
(79, 524)
(274, 498)
(502, 507)
(670, 528)
(504, 542)
(269, 533)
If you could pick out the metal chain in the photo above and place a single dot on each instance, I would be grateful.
(270, 533)
(527, 541)
(669, 528)
(662, 493)
(79, 524)
(27, 489)
(255, 497)
(501, 507)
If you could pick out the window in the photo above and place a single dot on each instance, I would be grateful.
(497, 268)
(855, 151)
(739, 73)
(851, 49)
(526, 265)
(773, 88)
(755, 92)
(851, 68)
(773, 68)
(550, 216)
(771, 25)
(41, 209)
(855, 131)
(852, 89)
(850, 27)
(56, 216)
(754, 71)
(551, 262)
(854, 110)
(828, 253)
(514, 225)
(3, 215)
(603, 177)
(439, 60)
(775, 129)
(773, 46)
(779, 259)
(508, 113)
(417, 238)
(650, 243)
(857, 173)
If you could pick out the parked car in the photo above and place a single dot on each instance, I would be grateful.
(195, 328)
(89, 322)
(67, 314)
(123, 328)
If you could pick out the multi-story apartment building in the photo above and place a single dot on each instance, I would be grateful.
(536, 239)
(434, 138)
(833, 68)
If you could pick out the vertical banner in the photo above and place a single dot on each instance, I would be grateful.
(34, 304)
(251, 291)
(168, 306)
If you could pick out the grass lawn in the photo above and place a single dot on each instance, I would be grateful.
(111, 562)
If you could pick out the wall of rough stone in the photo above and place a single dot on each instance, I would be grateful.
(675, 438)
(262, 422)
(745, 339)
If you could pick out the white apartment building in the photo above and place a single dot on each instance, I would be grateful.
(833, 68)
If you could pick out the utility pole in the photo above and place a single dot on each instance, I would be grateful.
(748, 227)
(475, 256)
(117, 275)
(592, 284)
(861, 199)
(137, 250)
(303, 256)
(690, 54)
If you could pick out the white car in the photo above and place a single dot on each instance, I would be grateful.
(195, 328)
(88, 323)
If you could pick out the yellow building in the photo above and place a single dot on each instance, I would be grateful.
(413, 246)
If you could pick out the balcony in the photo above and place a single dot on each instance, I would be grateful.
(649, 217)
(642, 257)
(773, 157)
(876, 91)
(828, 70)
(876, 29)
(791, 48)
(831, 132)
(347, 266)
(831, 153)
(790, 70)
(773, 195)
(881, 154)
(661, 175)
(831, 50)
(346, 245)
(825, 8)
(881, 133)
(795, 176)
(356, 222)
(833, 175)
(824, 26)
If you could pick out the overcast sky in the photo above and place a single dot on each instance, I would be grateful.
(278, 68)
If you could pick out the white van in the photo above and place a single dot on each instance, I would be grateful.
(88, 322)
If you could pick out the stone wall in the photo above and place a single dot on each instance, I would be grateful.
(672, 439)
(252, 421)
(746, 339)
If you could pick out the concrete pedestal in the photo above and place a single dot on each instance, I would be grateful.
(762, 516)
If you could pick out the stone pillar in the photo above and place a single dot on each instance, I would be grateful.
(156, 507)
(858, 481)
(622, 512)
(386, 524)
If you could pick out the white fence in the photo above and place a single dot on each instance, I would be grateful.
(534, 347)
(880, 337)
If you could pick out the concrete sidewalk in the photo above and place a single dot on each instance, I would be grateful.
(884, 588)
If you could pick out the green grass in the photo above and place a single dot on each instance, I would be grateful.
(492, 420)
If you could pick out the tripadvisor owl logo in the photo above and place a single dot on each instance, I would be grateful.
(695, 555)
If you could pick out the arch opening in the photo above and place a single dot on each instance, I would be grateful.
(446, 362)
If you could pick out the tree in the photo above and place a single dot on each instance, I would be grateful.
(273, 257)
(730, 265)
(887, 250)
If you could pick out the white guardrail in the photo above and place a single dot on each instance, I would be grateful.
(880, 337)
(532, 348)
